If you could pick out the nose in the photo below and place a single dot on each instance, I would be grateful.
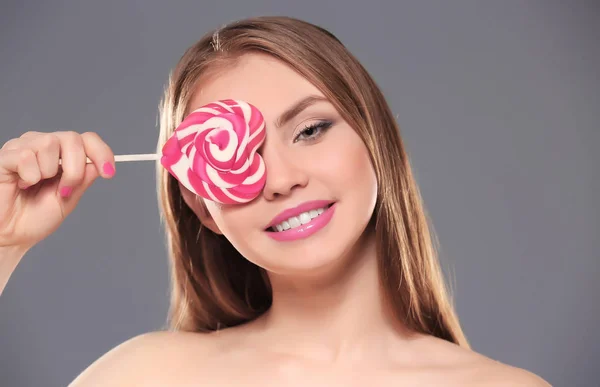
(284, 173)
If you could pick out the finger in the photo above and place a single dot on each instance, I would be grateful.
(20, 164)
(89, 176)
(46, 147)
(73, 162)
(47, 150)
(18, 142)
(11, 144)
(31, 133)
(99, 153)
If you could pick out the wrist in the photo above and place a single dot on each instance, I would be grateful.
(11, 252)
(10, 256)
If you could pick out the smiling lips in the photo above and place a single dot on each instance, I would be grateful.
(301, 221)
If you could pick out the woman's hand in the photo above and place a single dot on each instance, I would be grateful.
(36, 192)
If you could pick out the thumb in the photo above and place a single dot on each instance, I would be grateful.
(90, 175)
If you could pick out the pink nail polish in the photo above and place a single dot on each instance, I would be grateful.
(108, 169)
(65, 192)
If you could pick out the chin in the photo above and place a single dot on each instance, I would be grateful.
(304, 264)
(313, 260)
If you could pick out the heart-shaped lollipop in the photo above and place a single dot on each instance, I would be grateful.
(213, 152)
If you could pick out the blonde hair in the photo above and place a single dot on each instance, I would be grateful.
(210, 292)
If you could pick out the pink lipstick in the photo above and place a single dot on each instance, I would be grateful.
(301, 221)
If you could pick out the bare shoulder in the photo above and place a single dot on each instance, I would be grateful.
(472, 368)
(505, 375)
(146, 360)
(492, 373)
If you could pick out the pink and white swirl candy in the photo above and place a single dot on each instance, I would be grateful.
(213, 152)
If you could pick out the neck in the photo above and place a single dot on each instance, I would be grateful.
(338, 315)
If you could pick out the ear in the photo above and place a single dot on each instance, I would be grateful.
(197, 205)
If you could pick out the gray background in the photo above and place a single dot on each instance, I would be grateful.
(498, 103)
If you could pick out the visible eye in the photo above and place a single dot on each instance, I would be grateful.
(313, 131)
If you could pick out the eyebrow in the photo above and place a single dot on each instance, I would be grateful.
(297, 108)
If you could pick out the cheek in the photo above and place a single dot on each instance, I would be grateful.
(220, 216)
(349, 164)
(233, 221)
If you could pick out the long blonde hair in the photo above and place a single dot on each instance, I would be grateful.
(210, 292)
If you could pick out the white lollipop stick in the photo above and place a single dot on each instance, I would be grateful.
(121, 158)
(143, 157)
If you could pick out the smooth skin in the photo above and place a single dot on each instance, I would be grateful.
(327, 326)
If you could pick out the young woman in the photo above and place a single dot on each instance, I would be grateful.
(350, 293)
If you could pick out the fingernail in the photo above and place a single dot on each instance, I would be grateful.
(108, 169)
(65, 192)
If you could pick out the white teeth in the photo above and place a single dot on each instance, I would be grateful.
(304, 217)
(301, 219)
(294, 222)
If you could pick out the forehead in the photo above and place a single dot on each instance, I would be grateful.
(258, 79)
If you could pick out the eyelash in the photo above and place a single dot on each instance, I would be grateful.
(322, 126)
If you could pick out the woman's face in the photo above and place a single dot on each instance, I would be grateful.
(320, 186)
